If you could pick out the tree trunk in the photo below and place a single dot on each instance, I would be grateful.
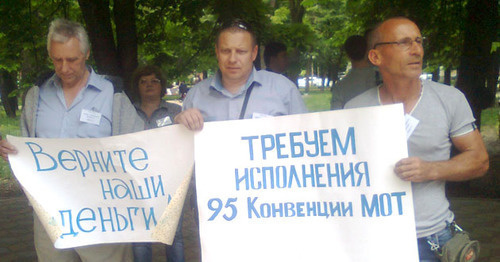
(126, 38)
(7, 85)
(492, 77)
(447, 76)
(98, 24)
(435, 75)
(297, 11)
(480, 32)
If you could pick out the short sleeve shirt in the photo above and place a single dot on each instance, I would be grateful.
(272, 95)
(90, 114)
(443, 112)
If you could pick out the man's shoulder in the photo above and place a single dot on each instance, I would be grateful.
(106, 82)
(441, 90)
(115, 81)
(265, 77)
(355, 74)
(202, 85)
(367, 98)
(270, 74)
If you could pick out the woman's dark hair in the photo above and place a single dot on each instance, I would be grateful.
(146, 71)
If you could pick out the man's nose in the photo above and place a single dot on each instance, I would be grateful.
(416, 48)
(232, 57)
(64, 66)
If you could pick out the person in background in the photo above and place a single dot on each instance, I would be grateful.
(149, 85)
(276, 57)
(441, 118)
(75, 102)
(362, 76)
(183, 89)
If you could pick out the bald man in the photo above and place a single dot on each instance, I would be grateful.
(441, 118)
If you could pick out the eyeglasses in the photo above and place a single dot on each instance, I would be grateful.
(152, 81)
(404, 44)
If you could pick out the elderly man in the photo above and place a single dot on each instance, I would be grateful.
(441, 118)
(74, 102)
(239, 91)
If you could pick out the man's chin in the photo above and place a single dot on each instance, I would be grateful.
(68, 81)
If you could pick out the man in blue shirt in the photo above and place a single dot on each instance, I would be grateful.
(238, 90)
(74, 102)
(223, 96)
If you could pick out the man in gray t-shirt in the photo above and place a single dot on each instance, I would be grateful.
(442, 118)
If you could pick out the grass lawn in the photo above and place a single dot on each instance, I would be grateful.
(316, 100)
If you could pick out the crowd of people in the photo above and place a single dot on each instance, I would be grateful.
(76, 102)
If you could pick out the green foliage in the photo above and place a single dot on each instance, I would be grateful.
(441, 22)
(24, 27)
(281, 15)
(8, 126)
(490, 118)
(495, 46)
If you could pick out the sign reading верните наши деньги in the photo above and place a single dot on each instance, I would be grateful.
(127, 188)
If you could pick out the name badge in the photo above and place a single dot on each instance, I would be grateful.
(163, 121)
(410, 124)
(90, 117)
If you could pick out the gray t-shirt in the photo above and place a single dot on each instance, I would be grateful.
(443, 112)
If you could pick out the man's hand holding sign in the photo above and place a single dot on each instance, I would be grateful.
(310, 187)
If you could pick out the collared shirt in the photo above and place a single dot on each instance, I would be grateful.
(272, 95)
(89, 115)
(162, 116)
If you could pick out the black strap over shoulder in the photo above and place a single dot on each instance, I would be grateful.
(245, 102)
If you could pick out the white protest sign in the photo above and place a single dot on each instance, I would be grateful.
(311, 187)
(107, 190)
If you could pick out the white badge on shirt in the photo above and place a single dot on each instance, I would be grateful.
(256, 115)
(91, 117)
(410, 123)
(163, 121)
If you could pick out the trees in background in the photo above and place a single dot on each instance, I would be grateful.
(179, 36)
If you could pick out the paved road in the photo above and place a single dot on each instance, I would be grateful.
(481, 217)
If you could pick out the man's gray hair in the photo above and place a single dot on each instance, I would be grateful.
(61, 30)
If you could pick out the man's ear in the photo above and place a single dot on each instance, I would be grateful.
(87, 55)
(254, 52)
(374, 57)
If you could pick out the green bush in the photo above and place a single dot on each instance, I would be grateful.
(8, 126)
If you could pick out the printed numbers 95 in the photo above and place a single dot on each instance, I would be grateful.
(216, 205)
